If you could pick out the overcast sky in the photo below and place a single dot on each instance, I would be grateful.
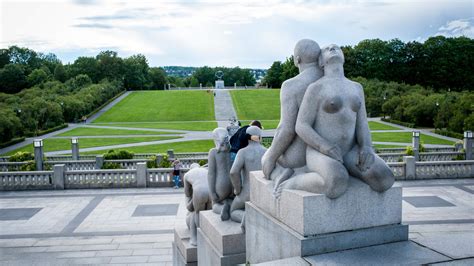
(221, 33)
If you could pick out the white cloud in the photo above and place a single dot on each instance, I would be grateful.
(459, 27)
(215, 32)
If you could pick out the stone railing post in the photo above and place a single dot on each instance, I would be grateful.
(38, 145)
(141, 174)
(468, 144)
(159, 159)
(75, 148)
(170, 154)
(410, 167)
(58, 176)
(416, 144)
(99, 161)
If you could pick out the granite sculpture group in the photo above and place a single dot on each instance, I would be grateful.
(322, 146)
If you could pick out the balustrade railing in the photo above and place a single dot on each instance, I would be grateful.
(398, 169)
(26, 180)
(100, 179)
(450, 169)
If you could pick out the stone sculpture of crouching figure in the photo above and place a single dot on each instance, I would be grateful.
(220, 187)
(248, 159)
(196, 191)
(332, 121)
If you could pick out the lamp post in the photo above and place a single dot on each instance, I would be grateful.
(416, 144)
(38, 146)
(75, 148)
(468, 144)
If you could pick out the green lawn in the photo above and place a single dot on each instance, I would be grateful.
(194, 125)
(154, 106)
(90, 131)
(65, 144)
(185, 146)
(379, 126)
(257, 104)
(406, 138)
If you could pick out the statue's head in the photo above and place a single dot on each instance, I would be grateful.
(254, 132)
(221, 139)
(306, 52)
(331, 54)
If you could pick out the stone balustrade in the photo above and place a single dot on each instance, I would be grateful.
(11, 166)
(398, 169)
(455, 169)
(424, 156)
(26, 180)
(75, 165)
(115, 178)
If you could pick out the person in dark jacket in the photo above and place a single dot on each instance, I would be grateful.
(241, 139)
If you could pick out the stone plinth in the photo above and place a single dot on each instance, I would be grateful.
(303, 224)
(219, 242)
(183, 252)
(312, 214)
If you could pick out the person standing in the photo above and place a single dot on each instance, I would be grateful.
(240, 139)
(176, 173)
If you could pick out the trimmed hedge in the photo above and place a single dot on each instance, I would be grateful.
(448, 133)
(11, 142)
(405, 124)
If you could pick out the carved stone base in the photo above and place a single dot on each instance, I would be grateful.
(219, 242)
(183, 252)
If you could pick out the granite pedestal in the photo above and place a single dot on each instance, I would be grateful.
(219, 242)
(183, 252)
(304, 224)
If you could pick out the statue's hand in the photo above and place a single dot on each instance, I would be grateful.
(267, 165)
(332, 151)
(366, 158)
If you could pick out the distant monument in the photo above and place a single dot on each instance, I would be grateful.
(219, 82)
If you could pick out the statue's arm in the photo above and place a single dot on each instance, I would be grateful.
(235, 172)
(285, 131)
(211, 174)
(305, 121)
(366, 156)
(188, 193)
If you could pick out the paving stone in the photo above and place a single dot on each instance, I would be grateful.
(135, 246)
(114, 253)
(100, 247)
(129, 259)
(15, 214)
(80, 254)
(161, 258)
(453, 244)
(65, 248)
(156, 210)
(101, 260)
(151, 252)
(427, 201)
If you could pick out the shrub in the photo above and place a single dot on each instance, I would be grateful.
(448, 133)
(21, 156)
(151, 163)
(202, 162)
(30, 166)
(165, 163)
(110, 165)
(11, 142)
(393, 121)
(118, 155)
(409, 151)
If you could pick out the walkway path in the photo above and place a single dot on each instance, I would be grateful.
(101, 226)
(223, 107)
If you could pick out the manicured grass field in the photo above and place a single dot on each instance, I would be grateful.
(65, 144)
(192, 126)
(405, 137)
(90, 131)
(379, 126)
(257, 104)
(154, 106)
(185, 146)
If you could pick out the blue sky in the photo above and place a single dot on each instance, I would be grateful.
(221, 33)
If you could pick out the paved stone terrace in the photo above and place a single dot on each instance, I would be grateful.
(135, 226)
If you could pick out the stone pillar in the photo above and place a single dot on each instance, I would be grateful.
(99, 161)
(38, 145)
(169, 86)
(75, 148)
(468, 144)
(235, 85)
(416, 144)
(58, 176)
(141, 174)
(170, 154)
(200, 86)
(159, 159)
(410, 167)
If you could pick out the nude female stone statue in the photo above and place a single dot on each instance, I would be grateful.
(220, 187)
(248, 159)
(332, 121)
(288, 151)
(196, 191)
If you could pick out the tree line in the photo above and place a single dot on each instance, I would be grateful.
(428, 84)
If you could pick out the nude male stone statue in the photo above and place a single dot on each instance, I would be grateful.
(248, 159)
(288, 151)
(196, 191)
(220, 187)
(332, 121)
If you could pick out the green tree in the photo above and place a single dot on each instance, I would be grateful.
(12, 78)
(157, 78)
(10, 124)
(136, 72)
(85, 65)
(60, 73)
(110, 66)
(289, 70)
(274, 75)
(37, 76)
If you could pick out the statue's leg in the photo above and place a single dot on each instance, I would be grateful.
(284, 175)
(217, 207)
(327, 176)
(225, 213)
(242, 224)
(193, 229)
(189, 219)
(237, 209)
(379, 176)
